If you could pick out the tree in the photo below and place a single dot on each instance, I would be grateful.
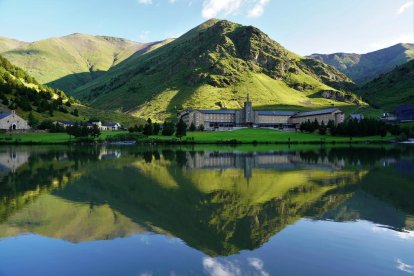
(201, 128)
(75, 112)
(46, 125)
(168, 129)
(181, 129)
(95, 132)
(156, 129)
(322, 129)
(192, 127)
(383, 131)
(148, 128)
(32, 120)
(140, 128)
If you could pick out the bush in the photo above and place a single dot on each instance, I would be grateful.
(148, 128)
(168, 129)
(192, 127)
(156, 129)
(181, 129)
(360, 128)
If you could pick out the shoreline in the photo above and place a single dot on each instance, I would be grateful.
(238, 137)
(173, 142)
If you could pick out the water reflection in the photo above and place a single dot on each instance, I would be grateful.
(218, 201)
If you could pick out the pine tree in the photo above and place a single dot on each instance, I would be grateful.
(32, 120)
(181, 129)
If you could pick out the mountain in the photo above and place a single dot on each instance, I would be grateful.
(7, 44)
(68, 62)
(392, 89)
(364, 68)
(214, 66)
(20, 91)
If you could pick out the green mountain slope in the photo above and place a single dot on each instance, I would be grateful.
(392, 89)
(364, 68)
(7, 44)
(21, 92)
(70, 61)
(212, 66)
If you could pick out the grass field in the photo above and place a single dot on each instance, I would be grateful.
(44, 137)
(240, 136)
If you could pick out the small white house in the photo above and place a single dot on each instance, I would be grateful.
(111, 126)
(11, 121)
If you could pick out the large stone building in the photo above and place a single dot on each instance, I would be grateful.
(11, 121)
(247, 117)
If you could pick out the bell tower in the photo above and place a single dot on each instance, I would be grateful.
(248, 111)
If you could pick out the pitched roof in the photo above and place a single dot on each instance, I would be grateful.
(316, 112)
(66, 123)
(218, 111)
(110, 124)
(405, 108)
(4, 115)
(276, 113)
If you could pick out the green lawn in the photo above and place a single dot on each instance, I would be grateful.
(45, 137)
(242, 135)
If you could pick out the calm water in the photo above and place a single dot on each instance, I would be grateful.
(206, 211)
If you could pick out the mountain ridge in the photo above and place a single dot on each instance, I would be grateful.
(392, 89)
(72, 60)
(207, 67)
(362, 68)
(21, 92)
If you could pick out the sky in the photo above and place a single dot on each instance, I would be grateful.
(302, 26)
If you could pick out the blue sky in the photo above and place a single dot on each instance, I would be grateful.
(303, 26)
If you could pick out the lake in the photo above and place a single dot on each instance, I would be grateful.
(207, 210)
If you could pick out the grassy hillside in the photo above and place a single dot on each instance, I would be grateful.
(214, 66)
(7, 44)
(392, 89)
(21, 92)
(364, 68)
(70, 61)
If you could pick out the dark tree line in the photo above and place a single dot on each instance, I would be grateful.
(15, 93)
(168, 128)
(83, 131)
(350, 128)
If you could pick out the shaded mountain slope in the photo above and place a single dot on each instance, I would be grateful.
(20, 91)
(214, 66)
(392, 89)
(364, 68)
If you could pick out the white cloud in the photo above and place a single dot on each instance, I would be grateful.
(404, 38)
(406, 235)
(404, 267)
(258, 265)
(212, 8)
(216, 268)
(258, 9)
(145, 2)
(144, 36)
(405, 7)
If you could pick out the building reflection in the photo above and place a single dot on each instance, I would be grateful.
(12, 159)
(258, 160)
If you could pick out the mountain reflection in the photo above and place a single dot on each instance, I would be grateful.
(218, 201)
